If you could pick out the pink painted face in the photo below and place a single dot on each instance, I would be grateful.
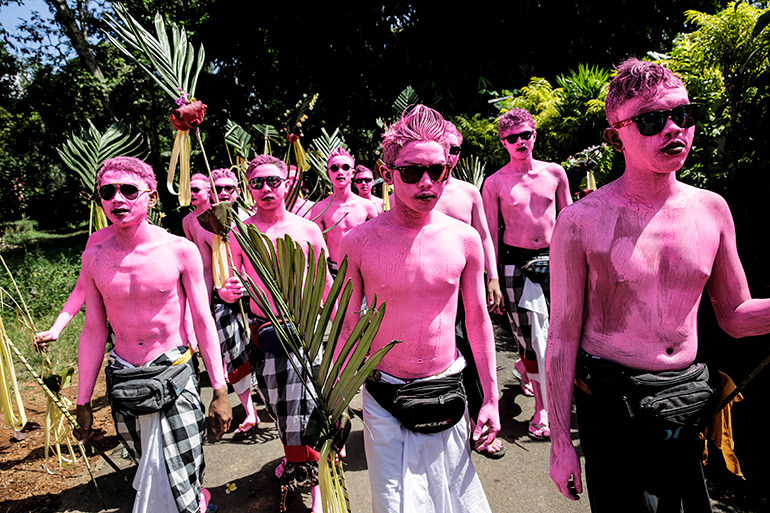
(519, 141)
(340, 169)
(119, 208)
(661, 153)
(423, 195)
(454, 149)
(200, 190)
(226, 189)
(363, 182)
(268, 186)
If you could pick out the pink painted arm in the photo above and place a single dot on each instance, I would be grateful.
(481, 339)
(480, 223)
(491, 211)
(737, 313)
(93, 338)
(563, 195)
(353, 274)
(568, 283)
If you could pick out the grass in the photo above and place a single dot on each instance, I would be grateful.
(44, 267)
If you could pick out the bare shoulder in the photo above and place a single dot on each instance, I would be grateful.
(454, 227)
(552, 168)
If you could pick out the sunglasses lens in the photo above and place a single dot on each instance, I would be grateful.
(652, 123)
(128, 191)
(274, 181)
(685, 115)
(438, 172)
(412, 174)
(107, 192)
(454, 150)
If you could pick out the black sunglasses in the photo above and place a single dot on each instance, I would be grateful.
(127, 190)
(512, 138)
(413, 173)
(362, 180)
(273, 181)
(335, 167)
(454, 150)
(653, 122)
(227, 188)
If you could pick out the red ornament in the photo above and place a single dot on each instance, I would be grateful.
(292, 138)
(188, 116)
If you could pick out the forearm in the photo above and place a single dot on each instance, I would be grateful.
(560, 377)
(481, 340)
(90, 355)
(211, 352)
(750, 318)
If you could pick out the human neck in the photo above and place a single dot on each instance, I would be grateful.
(270, 216)
(523, 165)
(647, 187)
(343, 193)
(409, 218)
(131, 235)
(367, 195)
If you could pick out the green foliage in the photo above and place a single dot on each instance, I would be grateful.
(471, 169)
(480, 140)
(601, 159)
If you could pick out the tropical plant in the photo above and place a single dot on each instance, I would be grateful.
(318, 154)
(302, 319)
(470, 169)
(85, 153)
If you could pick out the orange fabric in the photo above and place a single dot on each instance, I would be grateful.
(720, 432)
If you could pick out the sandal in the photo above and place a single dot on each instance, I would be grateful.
(244, 430)
(526, 384)
(538, 432)
(496, 454)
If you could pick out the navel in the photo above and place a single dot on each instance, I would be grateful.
(669, 351)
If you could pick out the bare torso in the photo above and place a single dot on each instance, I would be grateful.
(528, 203)
(342, 215)
(646, 271)
(203, 240)
(421, 294)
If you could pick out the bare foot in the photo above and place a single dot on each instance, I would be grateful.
(280, 468)
(315, 493)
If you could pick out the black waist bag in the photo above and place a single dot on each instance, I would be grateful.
(427, 406)
(672, 400)
(143, 390)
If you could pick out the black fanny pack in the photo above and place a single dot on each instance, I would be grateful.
(267, 339)
(143, 390)
(427, 406)
(533, 263)
(666, 402)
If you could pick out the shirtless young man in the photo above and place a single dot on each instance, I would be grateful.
(363, 180)
(415, 259)
(528, 194)
(287, 401)
(462, 201)
(145, 304)
(231, 329)
(343, 210)
(629, 265)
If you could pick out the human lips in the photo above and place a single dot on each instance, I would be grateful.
(674, 148)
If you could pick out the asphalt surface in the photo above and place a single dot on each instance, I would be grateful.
(518, 482)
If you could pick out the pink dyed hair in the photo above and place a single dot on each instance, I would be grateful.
(339, 151)
(263, 160)
(512, 118)
(419, 124)
(223, 172)
(452, 129)
(199, 176)
(362, 169)
(636, 78)
(129, 165)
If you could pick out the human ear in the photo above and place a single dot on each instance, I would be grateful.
(153, 199)
(387, 174)
(613, 137)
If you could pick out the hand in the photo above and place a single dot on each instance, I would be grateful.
(487, 427)
(494, 296)
(220, 412)
(565, 471)
(42, 339)
(232, 291)
(85, 418)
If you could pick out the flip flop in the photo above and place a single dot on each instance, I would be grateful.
(538, 432)
(496, 455)
(526, 386)
(244, 430)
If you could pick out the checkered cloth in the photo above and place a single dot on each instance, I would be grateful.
(233, 338)
(514, 287)
(183, 426)
(287, 400)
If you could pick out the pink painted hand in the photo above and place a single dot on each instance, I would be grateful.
(232, 291)
(565, 470)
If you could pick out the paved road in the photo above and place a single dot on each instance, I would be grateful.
(518, 482)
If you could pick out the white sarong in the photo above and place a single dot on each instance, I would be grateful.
(411, 472)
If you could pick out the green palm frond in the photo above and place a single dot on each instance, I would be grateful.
(406, 98)
(269, 134)
(320, 149)
(239, 139)
(306, 324)
(470, 169)
(85, 153)
(176, 67)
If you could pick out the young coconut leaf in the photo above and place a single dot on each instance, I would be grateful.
(470, 169)
(289, 295)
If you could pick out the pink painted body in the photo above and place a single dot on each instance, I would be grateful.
(145, 302)
(629, 264)
(365, 189)
(193, 230)
(343, 210)
(415, 259)
(528, 193)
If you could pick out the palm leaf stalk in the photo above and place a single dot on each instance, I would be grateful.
(175, 67)
(240, 140)
(291, 296)
(85, 153)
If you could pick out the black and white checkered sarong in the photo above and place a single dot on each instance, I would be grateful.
(183, 428)
(233, 338)
(514, 288)
(287, 400)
